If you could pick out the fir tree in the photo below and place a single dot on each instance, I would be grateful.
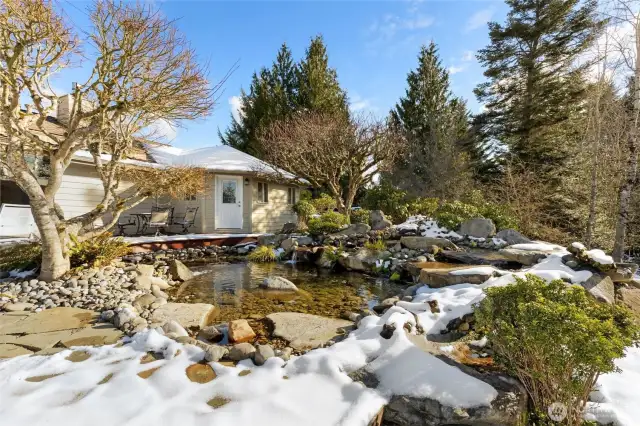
(536, 82)
(436, 126)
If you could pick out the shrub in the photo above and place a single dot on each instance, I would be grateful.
(304, 209)
(555, 338)
(360, 216)
(452, 214)
(377, 245)
(423, 206)
(500, 214)
(391, 200)
(263, 254)
(20, 256)
(97, 251)
(327, 223)
(333, 254)
(324, 203)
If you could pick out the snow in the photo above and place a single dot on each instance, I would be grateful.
(616, 398)
(600, 257)
(481, 270)
(538, 246)
(426, 227)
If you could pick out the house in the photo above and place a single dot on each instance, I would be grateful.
(240, 197)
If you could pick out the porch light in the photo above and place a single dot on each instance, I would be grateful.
(246, 181)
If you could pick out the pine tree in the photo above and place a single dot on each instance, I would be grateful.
(436, 126)
(318, 87)
(536, 83)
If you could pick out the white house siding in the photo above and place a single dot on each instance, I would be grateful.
(270, 217)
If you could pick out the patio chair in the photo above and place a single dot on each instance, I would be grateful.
(160, 218)
(124, 222)
(188, 220)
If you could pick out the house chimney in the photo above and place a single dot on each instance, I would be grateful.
(65, 105)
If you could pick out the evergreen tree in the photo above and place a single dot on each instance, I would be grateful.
(536, 83)
(436, 127)
(318, 87)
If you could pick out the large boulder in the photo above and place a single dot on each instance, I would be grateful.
(523, 257)
(443, 277)
(630, 297)
(425, 243)
(55, 319)
(601, 287)
(511, 236)
(305, 331)
(477, 257)
(278, 283)
(290, 243)
(378, 220)
(351, 230)
(478, 227)
(622, 273)
(362, 260)
(188, 315)
(179, 271)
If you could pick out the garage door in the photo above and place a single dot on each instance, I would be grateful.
(16, 220)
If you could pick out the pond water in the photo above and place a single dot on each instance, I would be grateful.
(234, 289)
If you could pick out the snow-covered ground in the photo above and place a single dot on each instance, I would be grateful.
(427, 228)
(313, 389)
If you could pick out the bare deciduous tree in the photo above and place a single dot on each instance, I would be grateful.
(331, 152)
(142, 71)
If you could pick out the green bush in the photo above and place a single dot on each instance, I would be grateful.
(500, 214)
(423, 206)
(451, 214)
(263, 254)
(360, 216)
(377, 245)
(323, 203)
(391, 200)
(555, 338)
(20, 256)
(327, 223)
(98, 251)
(304, 209)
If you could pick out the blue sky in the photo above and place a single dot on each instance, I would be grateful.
(371, 44)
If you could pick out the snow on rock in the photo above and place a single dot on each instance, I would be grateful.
(600, 257)
(426, 227)
(537, 246)
(615, 399)
(480, 270)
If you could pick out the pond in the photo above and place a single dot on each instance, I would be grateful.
(234, 289)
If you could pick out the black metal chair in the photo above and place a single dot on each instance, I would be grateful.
(188, 220)
(123, 222)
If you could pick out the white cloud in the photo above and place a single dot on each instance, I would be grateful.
(358, 103)
(235, 102)
(388, 32)
(455, 70)
(468, 56)
(161, 130)
(479, 19)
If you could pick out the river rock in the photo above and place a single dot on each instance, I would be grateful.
(189, 315)
(478, 257)
(289, 244)
(263, 353)
(18, 306)
(362, 260)
(601, 287)
(145, 270)
(144, 301)
(425, 243)
(211, 333)
(511, 236)
(622, 273)
(240, 331)
(241, 351)
(478, 227)
(442, 277)
(630, 297)
(523, 257)
(278, 283)
(215, 353)
(160, 283)
(378, 220)
(173, 327)
(305, 331)
(351, 230)
(179, 271)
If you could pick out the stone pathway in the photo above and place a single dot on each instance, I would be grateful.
(52, 330)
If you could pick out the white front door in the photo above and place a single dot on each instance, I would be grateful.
(229, 202)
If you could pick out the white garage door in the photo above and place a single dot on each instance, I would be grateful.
(16, 220)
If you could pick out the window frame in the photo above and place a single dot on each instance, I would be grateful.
(291, 195)
(263, 193)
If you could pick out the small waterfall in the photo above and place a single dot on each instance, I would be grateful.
(294, 256)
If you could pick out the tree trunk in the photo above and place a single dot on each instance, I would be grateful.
(54, 262)
(625, 198)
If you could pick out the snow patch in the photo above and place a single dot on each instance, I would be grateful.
(426, 228)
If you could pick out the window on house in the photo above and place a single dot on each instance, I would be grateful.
(263, 192)
(190, 198)
(291, 196)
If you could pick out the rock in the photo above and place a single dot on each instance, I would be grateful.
(523, 257)
(630, 297)
(189, 315)
(160, 283)
(18, 306)
(179, 271)
(123, 317)
(145, 270)
(263, 353)
(278, 283)
(507, 409)
(289, 244)
(305, 331)
(325, 260)
(601, 287)
(143, 283)
(240, 331)
(172, 326)
(211, 333)
(424, 243)
(268, 240)
(354, 229)
(289, 228)
(478, 227)
(378, 220)
(478, 257)
(241, 351)
(10, 351)
(622, 273)
(215, 353)
(437, 278)
(55, 319)
(100, 335)
(284, 353)
(511, 236)
(155, 290)
(362, 260)
(385, 304)
(144, 301)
